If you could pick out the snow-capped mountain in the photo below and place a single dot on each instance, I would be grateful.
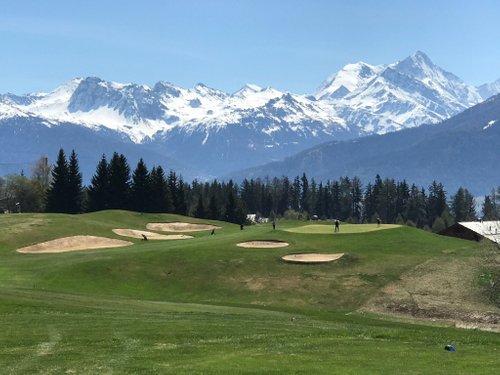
(218, 132)
(200, 124)
(460, 150)
(489, 89)
(385, 98)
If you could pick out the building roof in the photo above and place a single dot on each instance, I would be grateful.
(487, 229)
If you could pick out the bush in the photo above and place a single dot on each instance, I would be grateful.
(291, 214)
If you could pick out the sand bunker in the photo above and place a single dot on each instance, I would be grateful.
(180, 227)
(75, 243)
(263, 244)
(150, 235)
(312, 258)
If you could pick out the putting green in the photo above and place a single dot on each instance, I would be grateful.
(344, 228)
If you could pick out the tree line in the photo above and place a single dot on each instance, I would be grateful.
(115, 186)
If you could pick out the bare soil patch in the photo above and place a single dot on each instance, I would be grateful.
(180, 227)
(263, 244)
(134, 233)
(439, 289)
(312, 257)
(74, 243)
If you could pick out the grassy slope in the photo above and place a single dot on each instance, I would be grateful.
(94, 311)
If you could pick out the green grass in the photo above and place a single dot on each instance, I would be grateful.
(205, 305)
(343, 228)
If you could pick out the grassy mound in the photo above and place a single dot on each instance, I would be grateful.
(208, 306)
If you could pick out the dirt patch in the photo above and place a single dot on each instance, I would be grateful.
(263, 244)
(149, 235)
(180, 227)
(442, 289)
(74, 243)
(311, 258)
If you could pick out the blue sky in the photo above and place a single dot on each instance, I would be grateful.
(288, 44)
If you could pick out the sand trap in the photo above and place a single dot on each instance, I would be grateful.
(75, 243)
(263, 244)
(180, 227)
(312, 258)
(150, 235)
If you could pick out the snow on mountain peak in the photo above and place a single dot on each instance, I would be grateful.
(362, 98)
(348, 79)
(246, 90)
(489, 89)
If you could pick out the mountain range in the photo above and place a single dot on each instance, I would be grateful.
(461, 151)
(204, 132)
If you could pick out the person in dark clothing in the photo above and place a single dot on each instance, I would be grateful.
(213, 232)
(241, 226)
(378, 221)
(337, 225)
(274, 225)
(144, 237)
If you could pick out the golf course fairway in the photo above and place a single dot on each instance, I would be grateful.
(206, 305)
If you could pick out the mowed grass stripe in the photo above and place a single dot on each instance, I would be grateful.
(54, 337)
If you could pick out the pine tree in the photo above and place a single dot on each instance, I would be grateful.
(489, 209)
(295, 194)
(172, 188)
(181, 193)
(200, 208)
(356, 199)
(98, 192)
(161, 201)
(230, 208)
(284, 200)
(75, 189)
(213, 208)
(463, 206)
(119, 182)
(417, 211)
(140, 191)
(436, 202)
(57, 195)
(305, 194)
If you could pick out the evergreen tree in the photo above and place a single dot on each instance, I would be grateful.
(336, 204)
(230, 208)
(295, 194)
(182, 188)
(417, 211)
(345, 198)
(356, 199)
(370, 208)
(75, 189)
(140, 192)
(213, 208)
(161, 201)
(200, 208)
(304, 194)
(436, 202)
(98, 192)
(463, 206)
(172, 184)
(403, 196)
(489, 209)
(119, 182)
(57, 195)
